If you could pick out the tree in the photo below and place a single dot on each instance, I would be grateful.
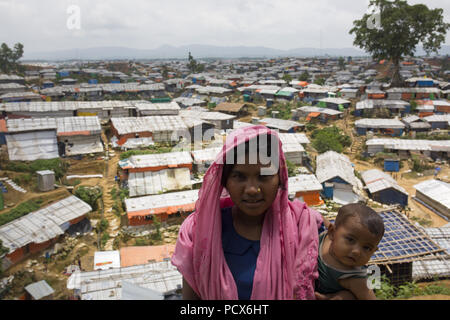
(194, 66)
(287, 77)
(330, 138)
(341, 63)
(394, 28)
(9, 58)
(304, 76)
(319, 81)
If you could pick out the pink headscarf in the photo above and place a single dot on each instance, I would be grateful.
(286, 266)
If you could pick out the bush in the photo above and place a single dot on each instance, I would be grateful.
(89, 195)
(330, 138)
(56, 165)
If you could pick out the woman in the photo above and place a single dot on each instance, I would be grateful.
(278, 239)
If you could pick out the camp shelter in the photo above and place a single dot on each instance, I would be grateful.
(416, 124)
(185, 102)
(392, 127)
(161, 277)
(236, 109)
(158, 128)
(334, 103)
(40, 290)
(104, 260)
(284, 126)
(349, 93)
(306, 188)
(383, 188)
(375, 94)
(434, 194)
(336, 174)
(39, 229)
(441, 122)
(157, 109)
(204, 157)
(293, 146)
(221, 121)
(324, 114)
(25, 96)
(402, 244)
(441, 106)
(409, 94)
(142, 210)
(420, 82)
(157, 161)
(31, 139)
(140, 255)
(435, 149)
(369, 106)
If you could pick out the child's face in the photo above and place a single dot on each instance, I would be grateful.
(352, 244)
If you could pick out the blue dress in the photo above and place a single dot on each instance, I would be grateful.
(241, 255)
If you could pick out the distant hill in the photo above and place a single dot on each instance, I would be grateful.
(198, 51)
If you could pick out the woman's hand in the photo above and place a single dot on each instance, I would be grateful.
(341, 295)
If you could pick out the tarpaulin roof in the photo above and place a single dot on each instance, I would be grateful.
(139, 255)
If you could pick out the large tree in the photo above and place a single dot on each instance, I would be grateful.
(9, 58)
(394, 29)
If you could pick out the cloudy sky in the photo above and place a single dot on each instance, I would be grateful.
(146, 24)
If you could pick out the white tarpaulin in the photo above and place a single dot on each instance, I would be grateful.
(30, 146)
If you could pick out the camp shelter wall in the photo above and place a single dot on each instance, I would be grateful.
(30, 146)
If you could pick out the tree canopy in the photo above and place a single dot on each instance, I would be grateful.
(330, 138)
(193, 65)
(9, 58)
(394, 29)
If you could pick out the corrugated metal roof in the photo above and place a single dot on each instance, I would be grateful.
(42, 225)
(332, 164)
(148, 124)
(205, 155)
(160, 159)
(156, 182)
(161, 200)
(303, 182)
(377, 180)
(379, 123)
(328, 111)
(208, 116)
(62, 125)
(39, 290)
(281, 124)
(437, 190)
(405, 144)
(162, 277)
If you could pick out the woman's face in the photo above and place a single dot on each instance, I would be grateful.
(252, 192)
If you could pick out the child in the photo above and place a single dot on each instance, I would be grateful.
(346, 248)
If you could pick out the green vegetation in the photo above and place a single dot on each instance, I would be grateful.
(426, 136)
(2, 201)
(330, 138)
(157, 148)
(420, 165)
(9, 58)
(422, 221)
(407, 290)
(319, 81)
(304, 76)
(194, 66)
(400, 27)
(283, 109)
(89, 195)
(22, 209)
(291, 168)
(57, 165)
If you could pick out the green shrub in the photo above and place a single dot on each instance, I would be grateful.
(19, 211)
(330, 138)
(89, 195)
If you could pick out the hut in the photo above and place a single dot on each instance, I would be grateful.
(150, 281)
(293, 146)
(390, 127)
(438, 121)
(383, 188)
(45, 180)
(156, 173)
(39, 291)
(306, 188)
(402, 245)
(155, 128)
(284, 126)
(434, 194)
(143, 210)
(322, 114)
(40, 229)
(203, 158)
(371, 107)
(334, 103)
(157, 109)
(235, 109)
(220, 120)
(140, 255)
(336, 174)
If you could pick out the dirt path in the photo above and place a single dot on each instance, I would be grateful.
(108, 183)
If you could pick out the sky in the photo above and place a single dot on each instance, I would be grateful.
(48, 25)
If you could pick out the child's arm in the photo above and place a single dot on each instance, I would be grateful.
(358, 286)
